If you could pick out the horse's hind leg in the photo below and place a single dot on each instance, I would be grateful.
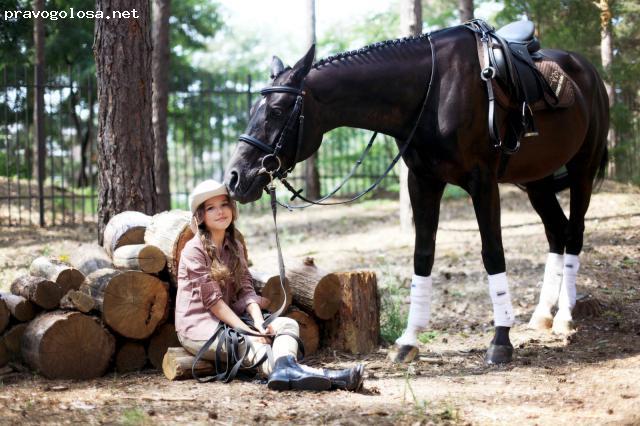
(581, 189)
(543, 199)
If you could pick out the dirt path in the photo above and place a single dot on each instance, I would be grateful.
(590, 378)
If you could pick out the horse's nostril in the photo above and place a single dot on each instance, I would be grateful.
(233, 180)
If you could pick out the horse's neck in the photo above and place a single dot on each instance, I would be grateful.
(377, 91)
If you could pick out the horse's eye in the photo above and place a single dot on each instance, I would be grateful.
(275, 112)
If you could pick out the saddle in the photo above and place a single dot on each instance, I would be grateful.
(519, 77)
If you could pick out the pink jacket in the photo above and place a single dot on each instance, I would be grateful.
(198, 292)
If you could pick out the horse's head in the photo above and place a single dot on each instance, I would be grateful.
(273, 139)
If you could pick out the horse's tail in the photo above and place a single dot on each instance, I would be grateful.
(602, 168)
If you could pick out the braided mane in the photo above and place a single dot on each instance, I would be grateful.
(367, 49)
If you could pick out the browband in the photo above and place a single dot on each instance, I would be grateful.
(280, 89)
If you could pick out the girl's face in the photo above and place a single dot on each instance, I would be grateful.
(217, 213)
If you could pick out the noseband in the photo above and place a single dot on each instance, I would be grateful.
(297, 114)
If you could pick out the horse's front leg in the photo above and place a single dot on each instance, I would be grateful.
(425, 197)
(485, 194)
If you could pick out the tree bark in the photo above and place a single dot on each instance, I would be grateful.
(410, 25)
(356, 327)
(38, 107)
(169, 231)
(126, 147)
(124, 229)
(40, 291)
(5, 315)
(160, 68)
(67, 345)
(140, 257)
(309, 330)
(164, 338)
(12, 342)
(268, 285)
(78, 301)
(465, 9)
(177, 362)
(312, 176)
(88, 258)
(131, 356)
(132, 303)
(61, 273)
(314, 290)
(606, 55)
(19, 307)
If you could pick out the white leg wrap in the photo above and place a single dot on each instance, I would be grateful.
(419, 310)
(551, 284)
(502, 310)
(567, 299)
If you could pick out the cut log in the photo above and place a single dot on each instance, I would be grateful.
(268, 285)
(38, 290)
(61, 273)
(89, 258)
(169, 231)
(5, 315)
(77, 300)
(164, 338)
(356, 327)
(4, 354)
(67, 345)
(12, 341)
(140, 257)
(177, 362)
(132, 303)
(314, 290)
(123, 229)
(19, 307)
(309, 330)
(131, 356)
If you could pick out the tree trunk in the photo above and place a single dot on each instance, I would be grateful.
(61, 273)
(177, 362)
(164, 338)
(606, 55)
(140, 257)
(131, 356)
(88, 258)
(160, 69)
(19, 307)
(356, 327)
(312, 176)
(12, 342)
(410, 25)
(124, 229)
(122, 50)
(38, 107)
(465, 9)
(268, 285)
(78, 301)
(314, 290)
(309, 330)
(132, 303)
(169, 231)
(40, 291)
(67, 345)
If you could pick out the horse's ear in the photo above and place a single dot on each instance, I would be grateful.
(303, 66)
(276, 67)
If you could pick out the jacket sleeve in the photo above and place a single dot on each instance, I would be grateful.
(199, 275)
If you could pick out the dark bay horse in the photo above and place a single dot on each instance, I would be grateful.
(382, 87)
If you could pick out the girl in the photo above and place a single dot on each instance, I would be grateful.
(215, 294)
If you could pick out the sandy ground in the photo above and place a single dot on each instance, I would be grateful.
(590, 377)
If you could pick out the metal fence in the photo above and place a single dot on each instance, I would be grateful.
(204, 123)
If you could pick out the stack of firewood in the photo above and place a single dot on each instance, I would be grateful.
(111, 307)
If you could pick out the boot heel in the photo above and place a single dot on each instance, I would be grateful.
(311, 383)
(279, 385)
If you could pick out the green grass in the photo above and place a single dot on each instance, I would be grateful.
(393, 319)
(134, 417)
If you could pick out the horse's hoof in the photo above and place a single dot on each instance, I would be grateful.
(402, 354)
(540, 322)
(499, 354)
(562, 326)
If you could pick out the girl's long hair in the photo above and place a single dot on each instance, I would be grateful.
(219, 271)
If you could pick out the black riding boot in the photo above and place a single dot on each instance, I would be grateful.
(288, 374)
(348, 379)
